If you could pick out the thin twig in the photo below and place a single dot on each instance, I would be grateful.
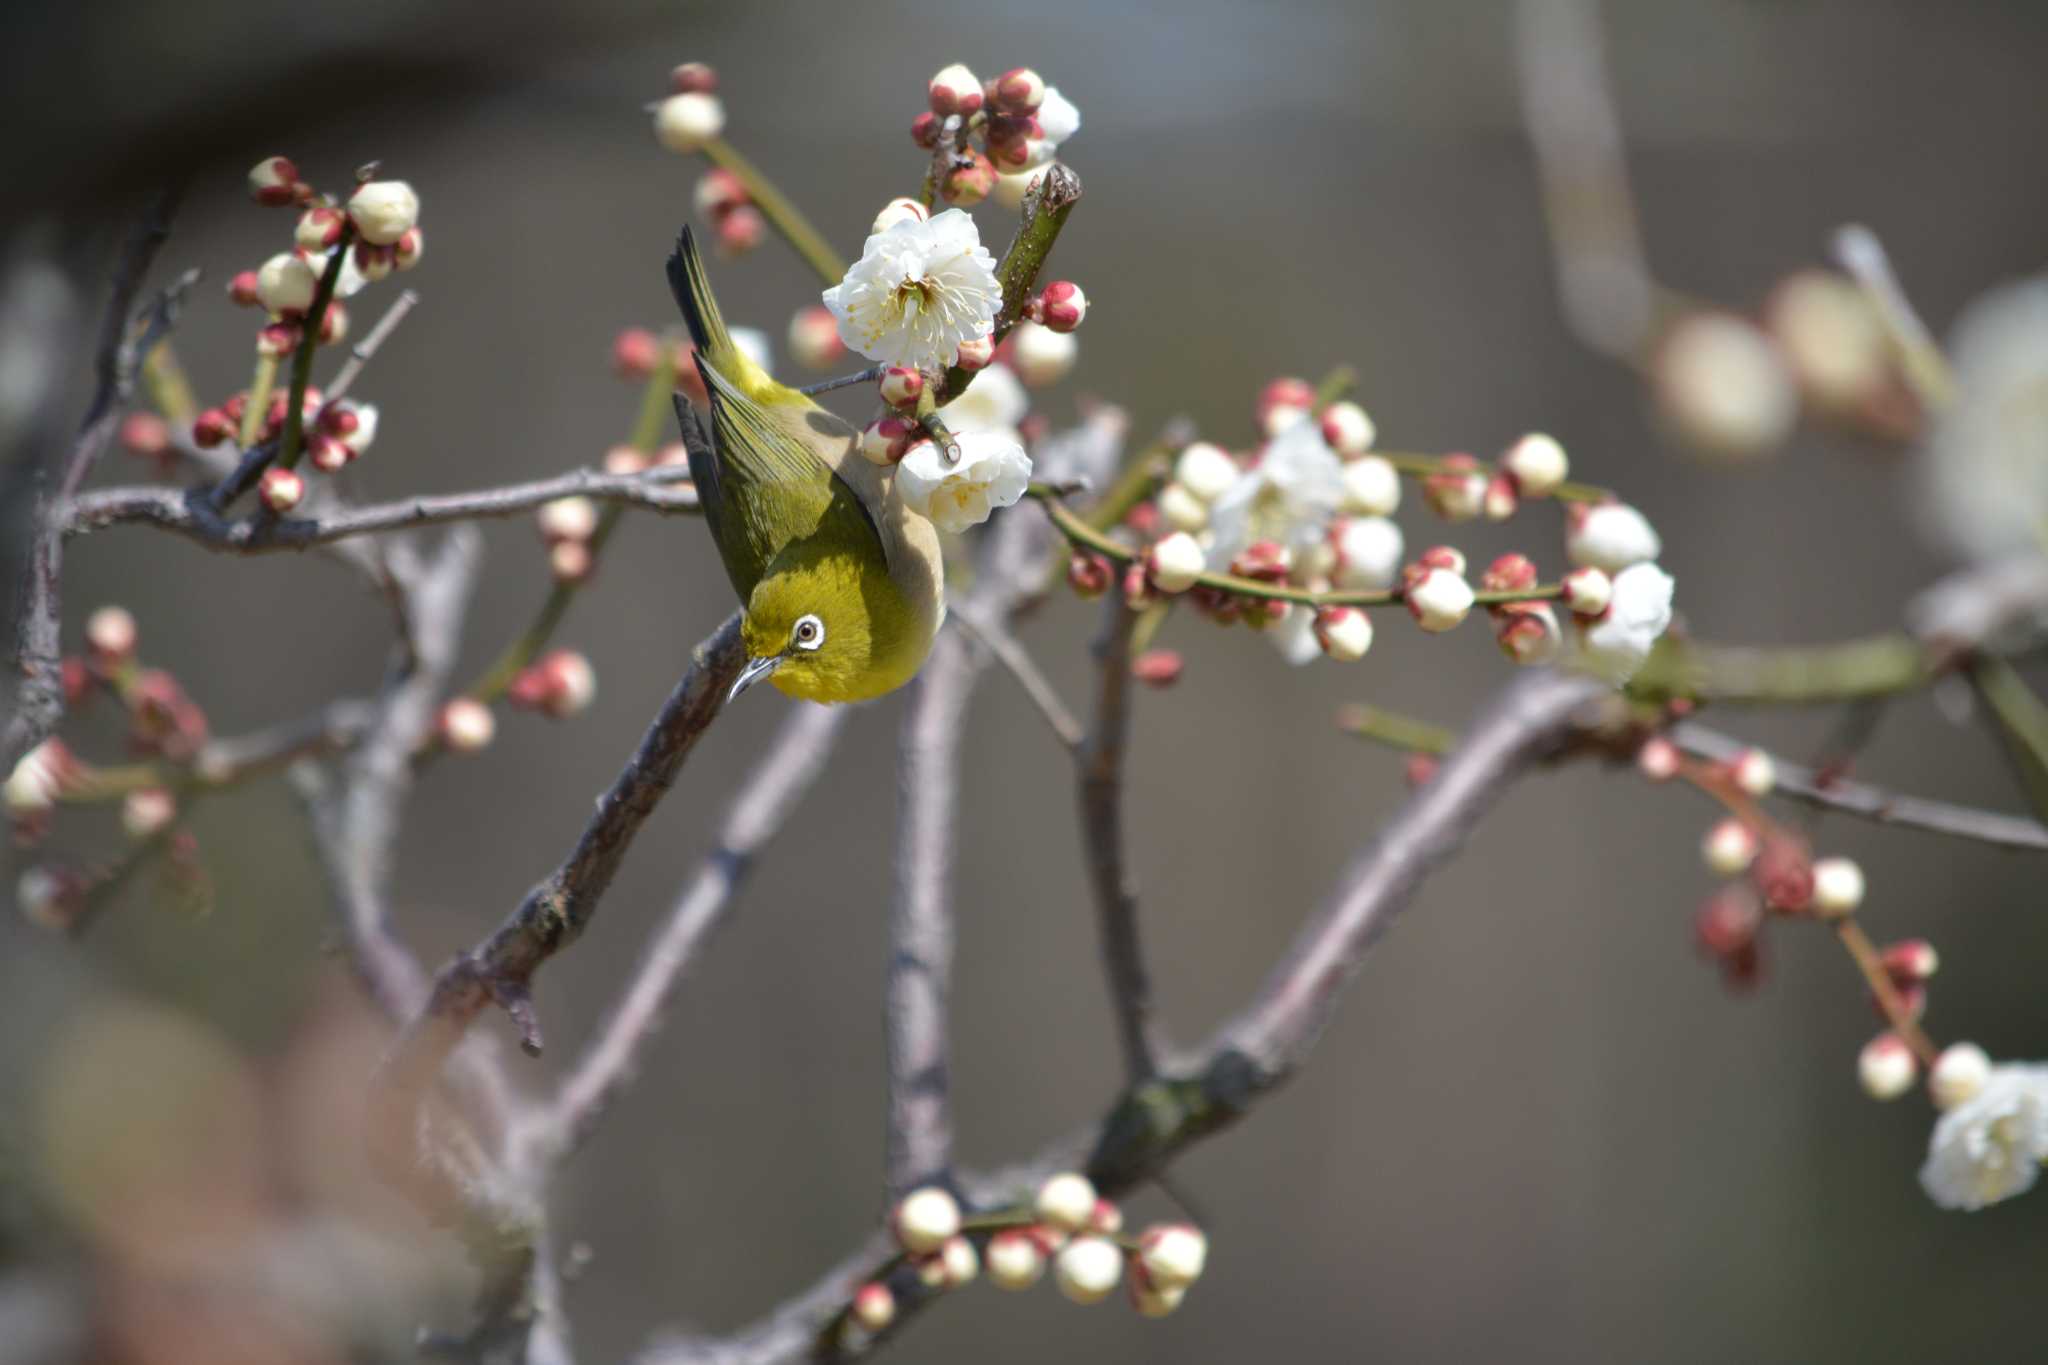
(1860, 253)
(364, 351)
(1099, 770)
(782, 215)
(1012, 655)
(778, 782)
(844, 381)
(189, 513)
(1871, 803)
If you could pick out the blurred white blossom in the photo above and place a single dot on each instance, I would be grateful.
(1985, 470)
(1990, 1147)
(1288, 499)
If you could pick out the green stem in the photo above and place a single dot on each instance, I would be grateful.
(781, 214)
(260, 385)
(1045, 213)
(1139, 480)
(168, 388)
(1401, 732)
(2022, 722)
(1335, 385)
(1876, 666)
(309, 341)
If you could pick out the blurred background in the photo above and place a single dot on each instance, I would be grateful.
(1539, 1130)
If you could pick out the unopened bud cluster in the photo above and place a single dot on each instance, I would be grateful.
(992, 137)
(1069, 1229)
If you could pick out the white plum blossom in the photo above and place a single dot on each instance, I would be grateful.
(1611, 536)
(1057, 117)
(1616, 645)
(992, 471)
(1372, 486)
(1369, 553)
(1040, 355)
(994, 402)
(1985, 472)
(918, 291)
(1294, 635)
(1990, 1147)
(1206, 470)
(1289, 498)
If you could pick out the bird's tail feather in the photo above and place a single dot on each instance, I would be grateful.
(686, 279)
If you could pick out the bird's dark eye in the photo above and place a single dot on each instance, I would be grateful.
(809, 633)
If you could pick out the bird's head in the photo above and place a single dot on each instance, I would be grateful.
(822, 627)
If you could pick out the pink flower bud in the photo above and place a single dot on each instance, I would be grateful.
(1015, 1259)
(1886, 1067)
(955, 90)
(1587, 592)
(740, 231)
(926, 129)
(1457, 491)
(374, 262)
(887, 440)
(210, 428)
(1345, 633)
(976, 353)
(559, 684)
(164, 719)
(958, 1263)
(466, 725)
(1347, 429)
(1536, 464)
(1158, 668)
(110, 634)
(968, 180)
(328, 453)
(901, 386)
(281, 489)
(1062, 305)
(1509, 573)
(1957, 1075)
(1173, 1254)
(1837, 887)
(408, 250)
(1088, 574)
(693, 78)
(242, 291)
(570, 561)
(1175, 562)
(924, 1220)
(277, 339)
(814, 338)
(1784, 875)
(1264, 561)
(1443, 557)
(384, 210)
(1909, 961)
(1500, 501)
(147, 813)
(1418, 769)
(1106, 1218)
(318, 228)
(718, 193)
(1088, 1268)
(1018, 91)
(272, 181)
(146, 435)
(1729, 847)
(1285, 392)
(635, 353)
(1726, 924)
(1438, 599)
(684, 123)
(1527, 632)
(286, 283)
(1659, 759)
(874, 1307)
(333, 323)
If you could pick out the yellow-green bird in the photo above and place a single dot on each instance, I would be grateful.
(842, 585)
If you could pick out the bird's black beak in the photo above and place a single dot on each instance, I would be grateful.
(755, 670)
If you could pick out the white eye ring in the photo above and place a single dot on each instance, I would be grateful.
(808, 633)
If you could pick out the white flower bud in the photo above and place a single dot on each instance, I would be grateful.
(572, 683)
(467, 725)
(899, 211)
(874, 1307)
(1886, 1067)
(1439, 600)
(1729, 848)
(1066, 1201)
(958, 1261)
(1725, 387)
(684, 123)
(1610, 536)
(41, 896)
(1015, 1260)
(1173, 1255)
(147, 813)
(1154, 1302)
(571, 518)
(281, 489)
(36, 780)
(1957, 1074)
(1754, 772)
(286, 283)
(1088, 1269)
(1837, 886)
(1041, 356)
(1176, 562)
(1371, 487)
(1347, 429)
(925, 1219)
(1832, 335)
(955, 90)
(1181, 509)
(1345, 633)
(1537, 464)
(1588, 591)
(1205, 470)
(384, 211)
(111, 632)
(1369, 551)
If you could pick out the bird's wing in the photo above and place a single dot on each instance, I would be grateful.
(767, 488)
